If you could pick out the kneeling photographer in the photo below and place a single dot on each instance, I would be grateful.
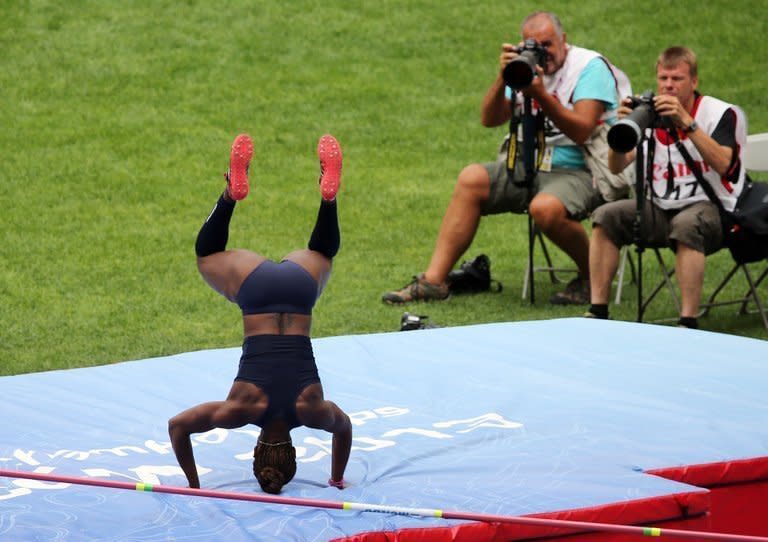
(689, 139)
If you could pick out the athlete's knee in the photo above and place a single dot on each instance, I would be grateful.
(205, 265)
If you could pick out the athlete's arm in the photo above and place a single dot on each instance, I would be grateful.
(329, 417)
(180, 427)
(342, 443)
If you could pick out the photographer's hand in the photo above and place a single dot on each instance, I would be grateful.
(508, 54)
(717, 156)
(669, 107)
(496, 108)
(625, 108)
(618, 161)
(578, 123)
(536, 89)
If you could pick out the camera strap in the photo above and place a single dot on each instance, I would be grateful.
(670, 169)
(691, 163)
(534, 143)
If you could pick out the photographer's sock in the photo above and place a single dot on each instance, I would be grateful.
(326, 238)
(214, 234)
(690, 322)
(600, 310)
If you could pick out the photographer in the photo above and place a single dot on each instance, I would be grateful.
(573, 89)
(677, 212)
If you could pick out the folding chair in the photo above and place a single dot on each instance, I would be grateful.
(755, 159)
(751, 294)
(535, 236)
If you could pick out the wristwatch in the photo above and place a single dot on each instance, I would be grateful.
(691, 128)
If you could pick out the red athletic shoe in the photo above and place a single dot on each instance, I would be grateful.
(239, 159)
(329, 152)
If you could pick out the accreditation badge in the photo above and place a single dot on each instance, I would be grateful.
(546, 159)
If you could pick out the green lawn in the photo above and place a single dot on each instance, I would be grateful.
(117, 119)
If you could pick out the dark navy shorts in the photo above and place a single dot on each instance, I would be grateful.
(282, 366)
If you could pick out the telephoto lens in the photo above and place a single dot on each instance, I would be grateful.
(520, 72)
(627, 133)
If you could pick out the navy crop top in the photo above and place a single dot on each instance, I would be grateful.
(283, 287)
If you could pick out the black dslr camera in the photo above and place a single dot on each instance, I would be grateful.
(410, 322)
(627, 133)
(520, 72)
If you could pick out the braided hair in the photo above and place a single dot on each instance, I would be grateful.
(274, 465)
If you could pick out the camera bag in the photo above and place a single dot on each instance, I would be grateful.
(473, 276)
(747, 226)
(745, 229)
(612, 186)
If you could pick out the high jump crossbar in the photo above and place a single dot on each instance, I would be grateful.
(382, 509)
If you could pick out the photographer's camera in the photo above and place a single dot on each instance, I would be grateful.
(627, 133)
(520, 72)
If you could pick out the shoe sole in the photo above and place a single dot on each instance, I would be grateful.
(432, 300)
(566, 301)
(329, 153)
(239, 159)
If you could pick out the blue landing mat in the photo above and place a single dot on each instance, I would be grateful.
(510, 419)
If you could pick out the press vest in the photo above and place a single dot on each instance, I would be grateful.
(685, 189)
(562, 85)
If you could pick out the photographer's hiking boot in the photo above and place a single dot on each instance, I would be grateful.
(239, 160)
(329, 153)
(576, 293)
(417, 290)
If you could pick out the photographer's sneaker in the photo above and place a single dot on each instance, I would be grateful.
(239, 160)
(329, 153)
(417, 290)
(576, 293)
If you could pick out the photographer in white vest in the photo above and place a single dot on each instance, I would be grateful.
(572, 91)
(677, 212)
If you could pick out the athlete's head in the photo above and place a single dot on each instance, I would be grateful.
(274, 465)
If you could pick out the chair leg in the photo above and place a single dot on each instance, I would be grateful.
(528, 279)
(534, 234)
(711, 301)
(626, 258)
(750, 295)
(752, 288)
(753, 294)
(666, 281)
(544, 250)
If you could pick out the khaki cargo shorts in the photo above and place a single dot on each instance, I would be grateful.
(571, 186)
(697, 226)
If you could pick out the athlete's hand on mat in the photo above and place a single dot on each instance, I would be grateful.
(341, 484)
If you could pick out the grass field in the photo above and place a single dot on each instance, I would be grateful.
(117, 119)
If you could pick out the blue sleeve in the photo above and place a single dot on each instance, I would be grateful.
(596, 82)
